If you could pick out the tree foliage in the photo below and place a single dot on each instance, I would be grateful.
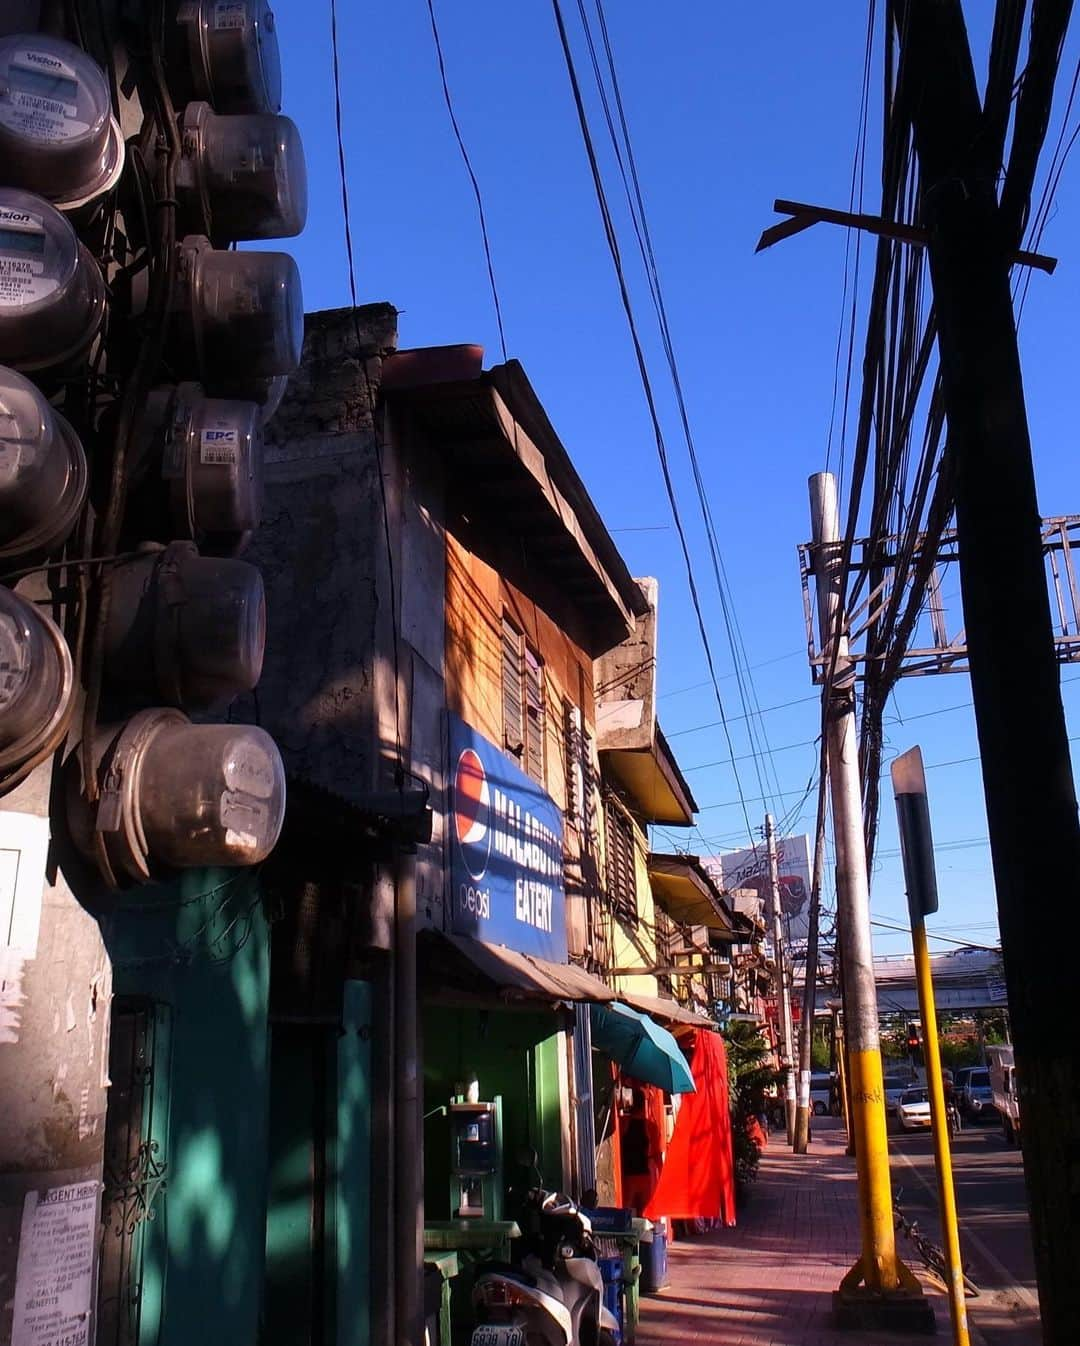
(750, 1074)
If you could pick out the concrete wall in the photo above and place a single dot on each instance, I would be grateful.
(626, 683)
(318, 550)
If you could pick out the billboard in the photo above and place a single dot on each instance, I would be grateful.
(749, 868)
(506, 850)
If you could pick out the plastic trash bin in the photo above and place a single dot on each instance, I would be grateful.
(654, 1266)
(611, 1272)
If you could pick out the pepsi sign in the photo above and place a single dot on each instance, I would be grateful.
(506, 850)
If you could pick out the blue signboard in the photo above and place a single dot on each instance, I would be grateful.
(506, 851)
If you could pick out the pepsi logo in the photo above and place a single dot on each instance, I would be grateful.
(472, 813)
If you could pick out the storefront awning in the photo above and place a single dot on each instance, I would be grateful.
(640, 1047)
(667, 1011)
(685, 889)
(448, 968)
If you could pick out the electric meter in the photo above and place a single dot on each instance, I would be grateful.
(174, 795)
(211, 459)
(36, 680)
(43, 473)
(58, 135)
(265, 393)
(184, 629)
(226, 53)
(242, 176)
(52, 295)
(239, 315)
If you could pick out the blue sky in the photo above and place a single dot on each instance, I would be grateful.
(729, 107)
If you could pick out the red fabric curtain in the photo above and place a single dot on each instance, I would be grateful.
(698, 1179)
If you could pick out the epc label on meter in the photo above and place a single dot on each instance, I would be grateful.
(219, 446)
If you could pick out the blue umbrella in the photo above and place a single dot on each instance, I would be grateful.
(643, 1049)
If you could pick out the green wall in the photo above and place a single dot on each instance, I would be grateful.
(515, 1054)
(201, 946)
(319, 1162)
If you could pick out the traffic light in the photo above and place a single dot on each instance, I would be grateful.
(914, 1044)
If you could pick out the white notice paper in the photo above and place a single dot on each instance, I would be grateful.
(24, 849)
(54, 1279)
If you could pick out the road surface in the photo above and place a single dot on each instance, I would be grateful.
(994, 1236)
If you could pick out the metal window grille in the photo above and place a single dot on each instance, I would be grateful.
(573, 754)
(136, 1138)
(665, 939)
(621, 870)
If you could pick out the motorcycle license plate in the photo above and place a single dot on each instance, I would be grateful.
(498, 1334)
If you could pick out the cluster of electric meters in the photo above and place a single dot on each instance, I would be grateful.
(134, 387)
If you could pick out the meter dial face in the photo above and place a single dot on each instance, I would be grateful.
(52, 295)
(57, 130)
(33, 266)
(43, 475)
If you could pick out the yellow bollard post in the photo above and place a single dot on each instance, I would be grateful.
(920, 877)
(940, 1124)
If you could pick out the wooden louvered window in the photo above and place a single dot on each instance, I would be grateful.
(534, 715)
(621, 871)
(513, 709)
(523, 701)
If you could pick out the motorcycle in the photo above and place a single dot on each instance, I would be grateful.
(553, 1295)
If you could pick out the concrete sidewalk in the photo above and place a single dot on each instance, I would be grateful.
(769, 1281)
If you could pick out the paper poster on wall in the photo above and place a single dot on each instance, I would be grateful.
(506, 862)
(54, 1280)
(24, 846)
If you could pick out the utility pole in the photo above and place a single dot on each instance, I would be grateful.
(879, 1290)
(1023, 740)
(784, 994)
(806, 1025)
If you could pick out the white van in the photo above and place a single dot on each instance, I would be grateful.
(1003, 1088)
(821, 1092)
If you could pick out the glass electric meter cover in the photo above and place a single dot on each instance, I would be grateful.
(43, 474)
(212, 460)
(242, 177)
(239, 315)
(184, 629)
(225, 52)
(36, 679)
(52, 294)
(174, 795)
(58, 135)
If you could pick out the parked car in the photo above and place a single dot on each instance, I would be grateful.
(822, 1085)
(894, 1087)
(913, 1109)
(976, 1095)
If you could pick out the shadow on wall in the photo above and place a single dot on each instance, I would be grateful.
(200, 945)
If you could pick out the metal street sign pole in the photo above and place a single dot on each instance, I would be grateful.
(917, 849)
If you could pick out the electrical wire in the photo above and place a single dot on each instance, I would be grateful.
(472, 176)
(669, 487)
(399, 766)
(622, 145)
